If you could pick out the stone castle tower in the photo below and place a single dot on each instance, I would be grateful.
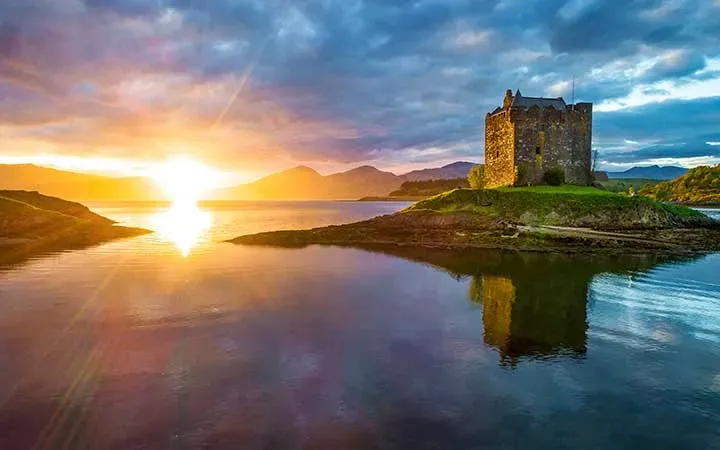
(539, 133)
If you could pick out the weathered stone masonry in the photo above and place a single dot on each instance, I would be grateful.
(540, 133)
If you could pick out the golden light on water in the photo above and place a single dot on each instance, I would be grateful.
(183, 224)
(185, 181)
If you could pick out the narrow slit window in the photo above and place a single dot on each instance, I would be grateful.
(537, 150)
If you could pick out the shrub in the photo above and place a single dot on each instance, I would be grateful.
(522, 175)
(554, 176)
(476, 177)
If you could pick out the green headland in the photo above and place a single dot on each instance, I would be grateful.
(31, 223)
(699, 186)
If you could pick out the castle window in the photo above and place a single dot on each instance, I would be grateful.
(537, 150)
(497, 153)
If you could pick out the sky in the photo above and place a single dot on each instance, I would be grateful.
(255, 86)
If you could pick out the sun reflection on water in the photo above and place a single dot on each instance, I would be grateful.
(184, 224)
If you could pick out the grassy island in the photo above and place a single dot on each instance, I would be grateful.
(571, 206)
(31, 222)
(539, 218)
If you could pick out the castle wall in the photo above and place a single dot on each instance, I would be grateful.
(541, 141)
(578, 171)
(499, 150)
(546, 138)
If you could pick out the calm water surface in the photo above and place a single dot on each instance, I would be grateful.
(177, 340)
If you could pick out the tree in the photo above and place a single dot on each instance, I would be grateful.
(476, 177)
(554, 176)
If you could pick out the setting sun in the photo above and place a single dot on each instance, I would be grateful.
(185, 180)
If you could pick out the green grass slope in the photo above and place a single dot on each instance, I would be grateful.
(700, 186)
(623, 184)
(572, 206)
(27, 213)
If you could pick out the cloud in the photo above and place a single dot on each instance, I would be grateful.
(470, 40)
(644, 94)
(675, 64)
(257, 84)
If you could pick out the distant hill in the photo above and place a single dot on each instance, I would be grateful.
(457, 169)
(650, 172)
(428, 188)
(700, 185)
(305, 183)
(76, 186)
(363, 179)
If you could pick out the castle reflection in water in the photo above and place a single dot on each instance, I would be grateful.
(533, 305)
(523, 318)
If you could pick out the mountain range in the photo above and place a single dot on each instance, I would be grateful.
(302, 182)
(650, 172)
(298, 183)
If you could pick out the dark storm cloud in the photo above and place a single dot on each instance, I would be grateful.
(608, 25)
(393, 80)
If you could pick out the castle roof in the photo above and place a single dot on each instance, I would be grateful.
(525, 102)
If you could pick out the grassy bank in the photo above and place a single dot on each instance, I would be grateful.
(623, 184)
(575, 206)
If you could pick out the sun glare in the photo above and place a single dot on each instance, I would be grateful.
(185, 181)
(184, 224)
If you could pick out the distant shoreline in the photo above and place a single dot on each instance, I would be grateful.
(392, 199)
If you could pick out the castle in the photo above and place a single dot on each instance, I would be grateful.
(539, 134)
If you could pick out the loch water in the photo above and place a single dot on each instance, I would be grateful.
(177, 340)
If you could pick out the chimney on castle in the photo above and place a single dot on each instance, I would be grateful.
(508, 99)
